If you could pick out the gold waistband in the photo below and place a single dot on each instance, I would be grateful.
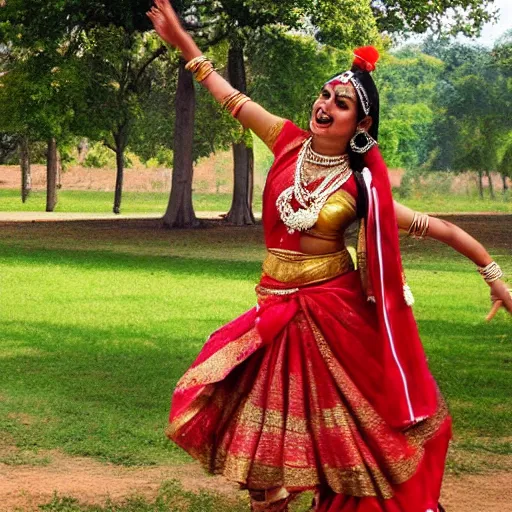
(297, 268)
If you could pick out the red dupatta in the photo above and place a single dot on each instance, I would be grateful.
(402, 351)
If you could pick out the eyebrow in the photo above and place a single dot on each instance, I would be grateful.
(345, 95)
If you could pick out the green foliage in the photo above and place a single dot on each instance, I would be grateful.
(345, 24)
(472, 104)
(465, 16)
(99, 156)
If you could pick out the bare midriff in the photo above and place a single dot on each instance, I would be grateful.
(313, 245)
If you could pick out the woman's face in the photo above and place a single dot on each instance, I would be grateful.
(334, 114)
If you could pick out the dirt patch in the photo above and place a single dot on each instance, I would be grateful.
(211, 175)
(91, 482)
(492, 493)
(24, 419)
(490, 229)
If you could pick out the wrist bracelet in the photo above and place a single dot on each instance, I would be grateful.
(419, 226)
(201, 67)
(491, 272)
(234, 102)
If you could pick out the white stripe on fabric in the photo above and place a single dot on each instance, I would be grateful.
(384, 310)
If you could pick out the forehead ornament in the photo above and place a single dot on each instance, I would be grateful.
(347, 77)
(346, 91)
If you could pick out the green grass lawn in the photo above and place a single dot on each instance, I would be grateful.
(98, 324)
(156, 202)
(78, 201)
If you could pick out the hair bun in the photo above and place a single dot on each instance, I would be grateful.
(366, 58)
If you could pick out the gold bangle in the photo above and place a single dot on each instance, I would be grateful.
(239, 106)
(201, 67)
(193, 64)
(228, 98)
(204, 70)
(234, 102)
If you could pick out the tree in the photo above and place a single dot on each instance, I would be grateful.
(36, 100)
(117, 65)
(407, 82)
(473, 116)
(107, 47)
(465, 16)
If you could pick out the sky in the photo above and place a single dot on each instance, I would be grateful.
(492, 32)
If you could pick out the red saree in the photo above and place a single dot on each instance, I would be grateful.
(300, 391)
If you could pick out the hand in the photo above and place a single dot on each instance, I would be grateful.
(166, 23)
(501, 296)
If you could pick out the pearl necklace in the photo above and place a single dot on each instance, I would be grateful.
(311, 202)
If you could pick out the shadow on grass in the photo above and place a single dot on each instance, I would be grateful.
(105, 260)
(95, 392)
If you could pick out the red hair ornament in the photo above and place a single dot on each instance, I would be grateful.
(365, 58)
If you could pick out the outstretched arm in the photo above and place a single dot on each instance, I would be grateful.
(459, 240)
(169, 28)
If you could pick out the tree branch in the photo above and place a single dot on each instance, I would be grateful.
(153, 57)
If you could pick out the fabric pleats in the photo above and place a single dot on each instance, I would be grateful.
(290, 394)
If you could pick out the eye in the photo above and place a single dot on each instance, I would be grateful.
(342, 104)
(325, 94)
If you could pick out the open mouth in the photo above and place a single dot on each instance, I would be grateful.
(322, 118)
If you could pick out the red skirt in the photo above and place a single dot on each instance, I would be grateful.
(290, 394)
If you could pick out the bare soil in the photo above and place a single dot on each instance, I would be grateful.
(24, 487)
(211, 175)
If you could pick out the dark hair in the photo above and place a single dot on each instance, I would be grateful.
(366, 80)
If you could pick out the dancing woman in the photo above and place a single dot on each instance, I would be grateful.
(324, 385)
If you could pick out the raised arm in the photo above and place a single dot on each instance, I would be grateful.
(458, 239)
(251, 115)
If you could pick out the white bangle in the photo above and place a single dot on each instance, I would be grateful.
(491, 272)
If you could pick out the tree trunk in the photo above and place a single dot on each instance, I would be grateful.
(180, 210)
(119, 180)
(480, 185)
(491, 186)
(240, 212)
(51, 175)
(26, 176)
(59, 171)
(505, 183)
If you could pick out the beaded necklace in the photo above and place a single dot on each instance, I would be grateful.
(311, 202)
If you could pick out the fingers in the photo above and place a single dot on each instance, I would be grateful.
(162, 4)
(505, 302)
(495, 307)
(508, 303)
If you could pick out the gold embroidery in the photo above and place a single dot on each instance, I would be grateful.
(273, 133)
(362, 412)
(214, 368)
(425, 430)
(196, 406)
(303, 269)
(294, 144)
